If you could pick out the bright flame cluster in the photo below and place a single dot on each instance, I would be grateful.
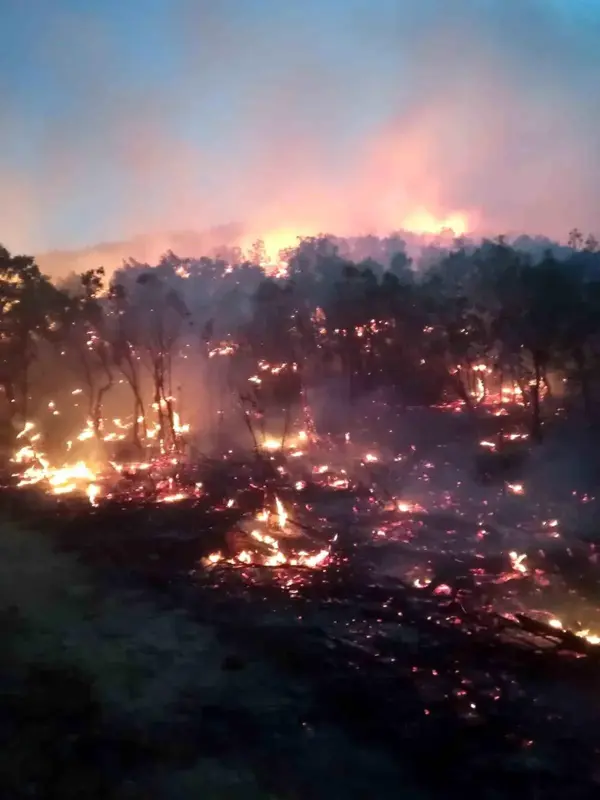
(268, 552)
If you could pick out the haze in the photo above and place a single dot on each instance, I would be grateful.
(144, 119)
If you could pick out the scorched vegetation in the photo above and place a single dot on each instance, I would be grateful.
(353, 493)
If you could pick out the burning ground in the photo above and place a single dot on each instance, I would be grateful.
(345, 613)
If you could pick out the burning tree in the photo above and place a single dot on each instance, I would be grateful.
(482, 324)
(154, 315)
(127, 360)
(533, 307)
(271, 345)
(88, 336)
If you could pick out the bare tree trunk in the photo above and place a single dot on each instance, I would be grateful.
(97, 412)
(546, 382)
(462, 391)
(171, 420)
(25, 391)
(158, 394)
(139, 411)
(584, 383)
(536, 411)
(139, 418)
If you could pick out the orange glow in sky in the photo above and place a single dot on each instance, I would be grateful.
(423, 222)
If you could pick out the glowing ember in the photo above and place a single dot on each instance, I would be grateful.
(407, 508)
(517, 562)
(173, 498)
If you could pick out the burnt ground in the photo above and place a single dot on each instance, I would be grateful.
(250, 682)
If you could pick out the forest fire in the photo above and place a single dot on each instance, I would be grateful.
(272, 537)
(367, 450)
(300, 400)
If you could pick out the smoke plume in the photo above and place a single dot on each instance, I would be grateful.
(346, 116)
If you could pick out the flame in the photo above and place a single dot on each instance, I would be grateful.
(311, 561)
(93, 492)
(274, 242)
(66, 478)
(517, 562)
(173, 498)
(406, 508)
(271, 445)
(281, 513)
(422, 221)
(590, 638)
(292, 442)
(26, 428)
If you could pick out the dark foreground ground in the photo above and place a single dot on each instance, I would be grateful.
(130, 671)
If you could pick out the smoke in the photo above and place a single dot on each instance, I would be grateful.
(291, 118)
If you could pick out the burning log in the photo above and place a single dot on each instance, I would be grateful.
(553, 633)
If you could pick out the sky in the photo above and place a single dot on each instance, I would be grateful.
(121, 118)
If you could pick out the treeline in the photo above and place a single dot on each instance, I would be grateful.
(474, 317)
